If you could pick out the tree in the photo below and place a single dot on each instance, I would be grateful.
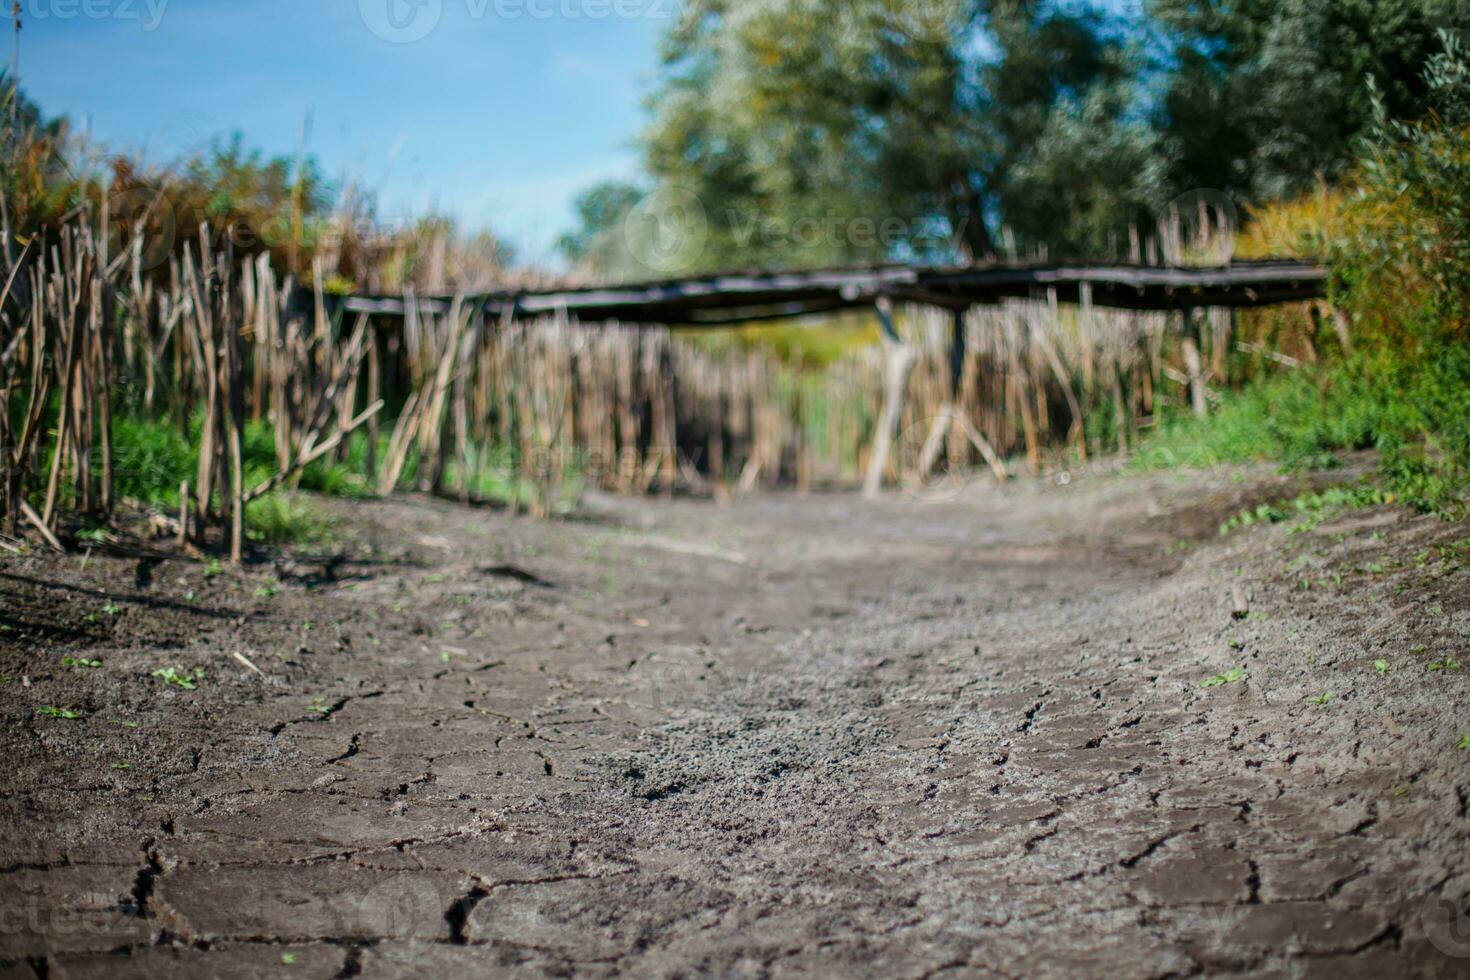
(1261, 97)
(809, 132)
(821, 131)
(597, 245)
(36, 183)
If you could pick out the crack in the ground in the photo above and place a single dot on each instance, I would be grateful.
(352, 747)
(844, 836)
(1032, 712)
(1152, 847)
(352, 960)
(457, 916)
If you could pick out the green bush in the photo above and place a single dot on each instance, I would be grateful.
(1401, 270)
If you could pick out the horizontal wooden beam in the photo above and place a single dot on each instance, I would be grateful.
(734, 298)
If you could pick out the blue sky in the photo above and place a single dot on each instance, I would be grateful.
(497, 111)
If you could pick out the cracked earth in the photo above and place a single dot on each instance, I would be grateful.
(798, 735)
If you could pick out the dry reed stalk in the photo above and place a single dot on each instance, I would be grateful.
(646, 408)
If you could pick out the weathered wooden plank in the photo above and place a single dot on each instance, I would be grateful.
(747, 297)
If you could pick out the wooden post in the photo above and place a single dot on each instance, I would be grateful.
(944, 422)
(1195, 367)
(1021, 394)
(1078, 431)
(898, 362)
(235, 430)
(374, 393)
(1084, 330)
(102, 304)
(1089, 355)
(183, 513)
(9, 469)
(1339, 327)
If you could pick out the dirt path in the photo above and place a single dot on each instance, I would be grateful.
(799, 735)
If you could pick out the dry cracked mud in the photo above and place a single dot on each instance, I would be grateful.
(797, 735)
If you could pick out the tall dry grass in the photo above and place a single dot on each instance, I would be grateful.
(451, 399)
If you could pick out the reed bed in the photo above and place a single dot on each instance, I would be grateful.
(466, 405)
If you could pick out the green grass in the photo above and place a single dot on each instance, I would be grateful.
(287, 518)
(152, 457)
(1312, 508)
(811, 344)
(1411, 406)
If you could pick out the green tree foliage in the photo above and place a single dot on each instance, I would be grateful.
(820, 131)
(250, 202)
(1260, 97)
(1402, 273)
(259, 200)
(35, 180)
(1404, 262)
(808, 132)
(602, 213)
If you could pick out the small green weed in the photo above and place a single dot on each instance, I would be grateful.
(1231, 676)
(1381, 666)
(1314, 508)
(188, 680)
(94, 535)
(1322, 700)
(76, 662)
(64, 713)
(1263, 514)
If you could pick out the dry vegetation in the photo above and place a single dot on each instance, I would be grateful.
(228, 355)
